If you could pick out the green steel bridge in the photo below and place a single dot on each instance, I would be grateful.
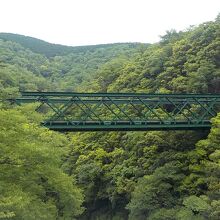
(67, 111)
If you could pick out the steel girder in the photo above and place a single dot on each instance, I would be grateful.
(124, 111)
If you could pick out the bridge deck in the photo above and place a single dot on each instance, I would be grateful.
(124, 126)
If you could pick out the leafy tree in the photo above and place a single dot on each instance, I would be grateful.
(32, 185)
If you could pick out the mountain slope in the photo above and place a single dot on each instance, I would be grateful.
(51, 50)
(63, 72)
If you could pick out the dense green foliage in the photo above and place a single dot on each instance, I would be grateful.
(32, 184)
(67, 73)
(51, 50)
(36, 45)
(181, 62)
(122, 175)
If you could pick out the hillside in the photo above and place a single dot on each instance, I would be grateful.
(52, 50)
(157, 175)
(63, 72)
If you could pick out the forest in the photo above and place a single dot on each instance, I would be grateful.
(152, 175)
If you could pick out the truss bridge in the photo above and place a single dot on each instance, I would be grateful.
(68, 111)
